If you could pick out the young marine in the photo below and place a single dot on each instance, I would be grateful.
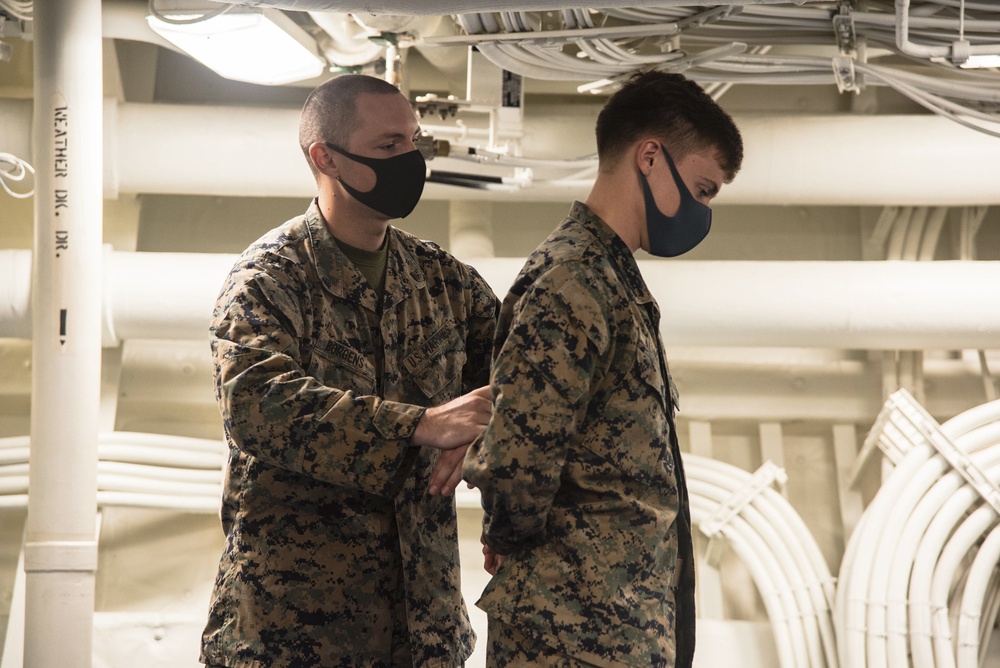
(587, 527)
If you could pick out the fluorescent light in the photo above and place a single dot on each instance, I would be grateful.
(261, 47)
(981, 61)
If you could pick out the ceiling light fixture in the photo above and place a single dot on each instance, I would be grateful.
(975, 62)
(260, 46)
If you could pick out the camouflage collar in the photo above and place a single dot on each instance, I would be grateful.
(342, 279)
(616, 249)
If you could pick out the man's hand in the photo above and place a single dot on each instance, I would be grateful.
(456, 423)
(492, 560)
(447, 472)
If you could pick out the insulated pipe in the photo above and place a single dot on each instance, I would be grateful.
(60, 551)
(126, 19)
(802, 160)
(424, 7)
(808, 159)
(839, 305)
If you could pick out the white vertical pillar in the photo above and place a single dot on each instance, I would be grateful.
(845, 452)
(772, 448)
(700, 438)
(60, 557)
(711, 593)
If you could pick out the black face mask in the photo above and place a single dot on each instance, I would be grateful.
(670, 236)
(399, 182)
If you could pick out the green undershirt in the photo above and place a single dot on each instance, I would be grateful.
(371, 263)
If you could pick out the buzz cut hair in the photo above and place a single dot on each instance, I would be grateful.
(675, 110)
(330, 112)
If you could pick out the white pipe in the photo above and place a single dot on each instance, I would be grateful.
(134, 469)
(425, 7)
(799, 160)
(126, 19)
(60, 552)
(931, 51)
(839, 305)
(349, 44)
(810, 160)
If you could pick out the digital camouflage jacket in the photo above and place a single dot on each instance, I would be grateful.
(579, 469)
(329, 526)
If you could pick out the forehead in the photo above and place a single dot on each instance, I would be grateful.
(383, 115)
(706, 162)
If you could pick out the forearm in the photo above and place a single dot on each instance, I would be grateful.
(276, 413)
(517, 466)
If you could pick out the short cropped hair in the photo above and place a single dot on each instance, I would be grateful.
(330, 111)
(673, 109)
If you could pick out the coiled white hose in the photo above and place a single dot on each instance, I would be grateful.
(907, 566)
(782, 556)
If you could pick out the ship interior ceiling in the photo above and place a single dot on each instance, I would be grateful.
(844, 306)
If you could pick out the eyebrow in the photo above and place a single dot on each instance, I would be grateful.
(396, 135)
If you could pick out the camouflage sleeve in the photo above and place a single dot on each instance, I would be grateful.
(541, 383)
(274, 411)
(481, 330)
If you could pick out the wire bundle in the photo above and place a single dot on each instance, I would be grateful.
(135, 470)
(781, 554)
(19, 9)
(914, 589)
(723, 45)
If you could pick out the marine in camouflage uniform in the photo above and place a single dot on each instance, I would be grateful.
(579, 469)
(337, 553)
(587, 527)
(328, 521)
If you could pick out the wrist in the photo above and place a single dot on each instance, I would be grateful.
(418, 437)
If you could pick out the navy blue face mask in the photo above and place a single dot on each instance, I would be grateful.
(670, 236)
(399, 182)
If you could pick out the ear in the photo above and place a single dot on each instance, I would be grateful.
(645, 154)
(322, 160)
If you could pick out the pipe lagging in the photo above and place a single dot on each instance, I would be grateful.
(839, 305)
(802, 159)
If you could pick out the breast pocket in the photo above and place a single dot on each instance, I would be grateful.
(634, 433)
(435, 364)
(339, 365)
(648, 371)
